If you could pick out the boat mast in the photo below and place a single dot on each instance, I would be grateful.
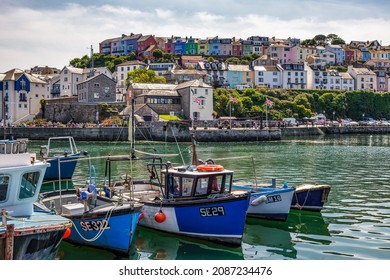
(194, 154)
(132, 128)
(3, 115)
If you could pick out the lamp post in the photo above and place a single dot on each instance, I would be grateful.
(333, 114)
(363, 116)
(324, 119)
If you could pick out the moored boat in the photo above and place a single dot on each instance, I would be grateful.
(97, 221)
(268, 202)
(188, 201)
(26, 231)
(62, 154)
(310, 197)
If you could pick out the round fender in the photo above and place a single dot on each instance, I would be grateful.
(259, 200)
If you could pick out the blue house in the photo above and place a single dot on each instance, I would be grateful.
(214, 46)
(338, 51)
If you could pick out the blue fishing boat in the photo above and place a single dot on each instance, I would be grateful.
(26, 230)
(267, 202)
(310, 197)
(192, 200)
(97, 221)
(62, 154)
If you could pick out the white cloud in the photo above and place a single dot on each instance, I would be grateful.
(54, 35)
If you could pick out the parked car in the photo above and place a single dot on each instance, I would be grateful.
(349, 122)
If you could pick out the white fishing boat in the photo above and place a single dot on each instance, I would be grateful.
(267, 202)
(26, 230)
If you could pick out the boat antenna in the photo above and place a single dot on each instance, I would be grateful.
(194, 154)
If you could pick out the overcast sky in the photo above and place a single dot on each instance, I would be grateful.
(53, 32)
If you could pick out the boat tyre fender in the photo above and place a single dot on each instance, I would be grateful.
(259, 200)
(210, 167)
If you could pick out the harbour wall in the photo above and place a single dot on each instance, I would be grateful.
(174, 132)
(181, 133)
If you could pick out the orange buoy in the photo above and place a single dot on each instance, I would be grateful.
(67, 233)
(159, 217)
(209, 167)
(141, 216)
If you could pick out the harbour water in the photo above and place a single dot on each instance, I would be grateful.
(354, 225)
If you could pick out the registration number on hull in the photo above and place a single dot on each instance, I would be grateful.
(94, 225)
(274, 198)
(212, 211)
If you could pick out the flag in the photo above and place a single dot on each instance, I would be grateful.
(196, 99)
(234, 100)
(269, 102)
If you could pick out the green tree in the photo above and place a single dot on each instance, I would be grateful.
(233, 60)
(158, 54)
(143, 75)
(337, 41)
(320, 39)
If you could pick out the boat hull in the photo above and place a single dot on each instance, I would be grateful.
(219, 220)
(114, 234)
(36, 237)
(270, 203)
(66, 170)
(310, 197)
(109, 225)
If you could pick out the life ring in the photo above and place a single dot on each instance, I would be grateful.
(209, 167)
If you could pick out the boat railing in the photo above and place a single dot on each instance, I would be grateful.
(53, 148)
(18, 146)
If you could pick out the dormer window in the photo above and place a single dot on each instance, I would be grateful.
(22, 85)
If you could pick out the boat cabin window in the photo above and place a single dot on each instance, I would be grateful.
(4, 180)
(28, 185)
(179, 186)
(209, 184)
(228, 182)
(202, 186)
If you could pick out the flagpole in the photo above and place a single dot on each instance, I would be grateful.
(230, 110)
(266, 114)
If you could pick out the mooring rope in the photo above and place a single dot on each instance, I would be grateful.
(101, 231)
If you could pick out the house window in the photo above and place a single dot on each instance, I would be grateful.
(65, 79)
(96, 85)
(23, 85)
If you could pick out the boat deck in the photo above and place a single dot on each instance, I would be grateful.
(38, 221)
